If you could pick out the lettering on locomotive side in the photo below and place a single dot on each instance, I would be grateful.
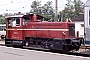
(15, 32)
(15, 37)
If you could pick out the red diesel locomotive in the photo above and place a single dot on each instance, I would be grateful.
(29, 30)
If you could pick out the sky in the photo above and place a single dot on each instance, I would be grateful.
(14, 6)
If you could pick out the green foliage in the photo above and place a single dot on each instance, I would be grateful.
(36, 7)
(72, 9)
(46, 10)
(2, 20)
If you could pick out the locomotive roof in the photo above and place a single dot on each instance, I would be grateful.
(22, 15)
(14, 16)
(78, 18)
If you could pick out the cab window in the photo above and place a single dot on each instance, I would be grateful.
(25, 20)
(14, 22)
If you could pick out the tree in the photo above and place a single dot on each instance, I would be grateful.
(47, 10)
(35, 6)
(78, 5)
(72, 9)
(2, 20)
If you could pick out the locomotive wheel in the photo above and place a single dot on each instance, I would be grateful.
(76, 46)
(46, 45)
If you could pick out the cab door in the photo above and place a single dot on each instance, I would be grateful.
(16, 30)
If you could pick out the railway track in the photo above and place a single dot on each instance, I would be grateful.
(83, 51)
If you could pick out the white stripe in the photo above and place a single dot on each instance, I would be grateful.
(41, 29)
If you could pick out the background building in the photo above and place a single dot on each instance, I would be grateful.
(79, 25)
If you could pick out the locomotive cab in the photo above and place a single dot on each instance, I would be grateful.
(13, 23)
